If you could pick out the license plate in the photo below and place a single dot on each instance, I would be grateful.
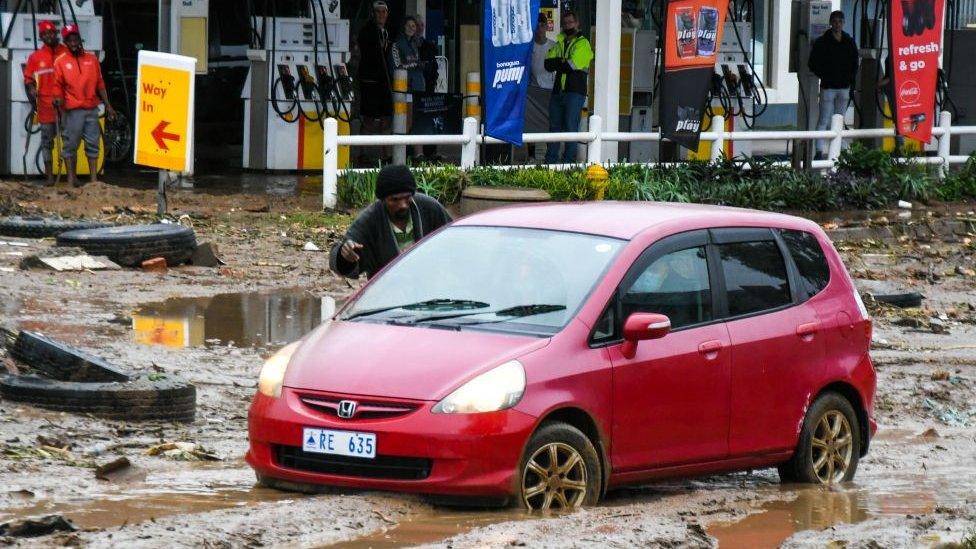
(341, 443)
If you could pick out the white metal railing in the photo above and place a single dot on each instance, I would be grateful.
(593, 137)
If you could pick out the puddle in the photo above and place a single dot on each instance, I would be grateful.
(895, 493)
(136, 506)
(432, 529)
(251, 319)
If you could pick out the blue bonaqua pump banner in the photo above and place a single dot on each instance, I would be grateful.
(508, 26)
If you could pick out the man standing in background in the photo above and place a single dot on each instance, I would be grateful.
(570, 59)
(78, 90)
(833, 59)
(375, 74)
(41, 89)
(540, 85)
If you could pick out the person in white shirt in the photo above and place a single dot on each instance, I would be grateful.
(540, 87)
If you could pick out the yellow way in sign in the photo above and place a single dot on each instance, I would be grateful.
(163, 103)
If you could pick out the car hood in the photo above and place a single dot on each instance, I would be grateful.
(361, 358)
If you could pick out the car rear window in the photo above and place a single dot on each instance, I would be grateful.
(755, 276)
(810, 262)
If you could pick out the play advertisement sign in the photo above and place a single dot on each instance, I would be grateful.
(693, 30)
(916, 37)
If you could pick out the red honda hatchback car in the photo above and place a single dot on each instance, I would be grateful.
(542, 354)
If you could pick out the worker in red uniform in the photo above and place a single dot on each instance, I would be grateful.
(41, 88)
(79, 89)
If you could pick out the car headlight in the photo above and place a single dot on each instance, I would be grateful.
(273, 371)
(496, 389)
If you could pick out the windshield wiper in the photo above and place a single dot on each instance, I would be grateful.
(517, 311)
(428, 305)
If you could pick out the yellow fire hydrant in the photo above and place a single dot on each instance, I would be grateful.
(597, 175)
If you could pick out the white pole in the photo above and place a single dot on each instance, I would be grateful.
(718, 146)
(469, 150)
(330, 164)
(606, 71)
(594, 149)
(945, 122)
(837, 141)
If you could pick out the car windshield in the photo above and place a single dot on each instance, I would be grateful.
(499, 278)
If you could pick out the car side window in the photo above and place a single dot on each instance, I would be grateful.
(755, 276)
(606, 327)
(675, 285)
(811, 264)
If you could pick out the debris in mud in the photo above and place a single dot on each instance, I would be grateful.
(940, 375)
(311, 247)
(206, 255)
(903, 300)
(32, 528)
(183, 451)
(62, 263)
(947, 415)
(102, 471)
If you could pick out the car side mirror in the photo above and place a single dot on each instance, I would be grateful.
(641, 326)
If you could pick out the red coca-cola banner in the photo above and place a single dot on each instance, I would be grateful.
(915, 39)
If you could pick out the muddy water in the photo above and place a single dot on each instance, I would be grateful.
(432, 528)
(894, 493)
(248, 319)
(134, 506)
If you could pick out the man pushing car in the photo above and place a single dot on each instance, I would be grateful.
(387, 227)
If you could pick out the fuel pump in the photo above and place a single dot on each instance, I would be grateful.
(19, 139)
(297, 78)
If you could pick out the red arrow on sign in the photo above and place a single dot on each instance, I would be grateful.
(159, 134)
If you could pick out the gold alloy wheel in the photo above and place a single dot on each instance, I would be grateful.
(554, 478)
(832, 447)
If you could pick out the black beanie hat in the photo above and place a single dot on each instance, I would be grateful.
(394, 179)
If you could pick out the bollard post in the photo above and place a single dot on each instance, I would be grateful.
(945, 122)
(400, 107)
(594, 148)
(718, 146)
(472, 96)
(469, 150)
(837, 141)
(330, 163)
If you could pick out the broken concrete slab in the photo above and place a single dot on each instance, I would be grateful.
(70, 263)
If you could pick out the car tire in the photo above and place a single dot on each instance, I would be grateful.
(130, 245)
(142, 399)
(830, 444)
(61, 361)
(42, 227)
(560, 468)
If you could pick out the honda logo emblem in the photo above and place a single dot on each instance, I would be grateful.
(347, 408)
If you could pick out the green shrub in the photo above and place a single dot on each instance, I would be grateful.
(864, 179)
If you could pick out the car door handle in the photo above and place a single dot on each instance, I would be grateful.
(710, 349)
(808, 330)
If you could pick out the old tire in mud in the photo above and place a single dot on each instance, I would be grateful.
(560, 469)
(41, 227)
(168, 399)
(130, 245)
(829, 446)
(61, 361)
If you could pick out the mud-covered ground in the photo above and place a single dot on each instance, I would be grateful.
(916, 487)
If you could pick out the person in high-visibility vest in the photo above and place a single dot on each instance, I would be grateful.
(570, 59)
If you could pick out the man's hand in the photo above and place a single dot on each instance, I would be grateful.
(349, 249)
(109, 111)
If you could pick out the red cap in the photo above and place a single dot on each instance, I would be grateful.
(70, 29)
(44, 26)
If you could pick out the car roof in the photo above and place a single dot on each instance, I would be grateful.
(626, 220)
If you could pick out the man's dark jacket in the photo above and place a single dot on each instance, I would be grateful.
(372, 229)
(834, 62)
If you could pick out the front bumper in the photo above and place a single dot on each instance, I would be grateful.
(471, 454)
